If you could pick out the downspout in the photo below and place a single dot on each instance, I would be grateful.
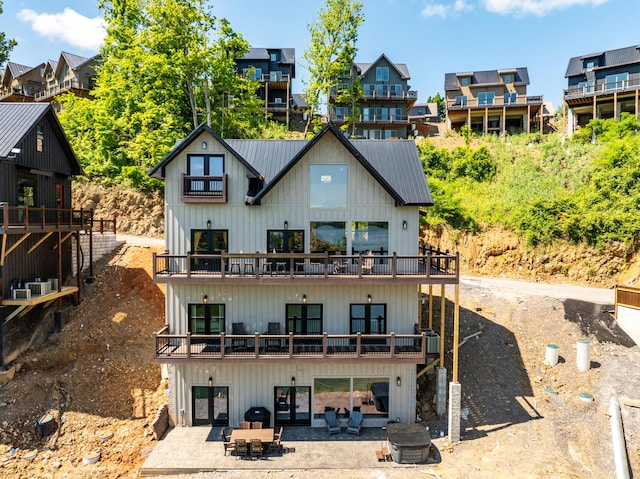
(617, 439)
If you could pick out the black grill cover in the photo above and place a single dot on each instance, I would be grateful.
(259, 413)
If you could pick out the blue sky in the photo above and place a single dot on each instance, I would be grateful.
(432, 37)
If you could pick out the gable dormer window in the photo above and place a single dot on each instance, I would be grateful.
(273, 57)
(382, 73)
(508, 78)
(205, 180)
(590, 64)
(464, 81)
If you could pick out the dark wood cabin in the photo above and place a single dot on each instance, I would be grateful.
(37, 165)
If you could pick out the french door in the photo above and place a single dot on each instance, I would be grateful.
(210, 405)
(292, 405)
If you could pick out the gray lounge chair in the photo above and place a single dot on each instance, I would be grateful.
(332, 422)
(355, 423)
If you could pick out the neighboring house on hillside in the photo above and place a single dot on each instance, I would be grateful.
(383, 110)
(293, 278)
(493, 101)
(602, 85)
(21, 83)
(274, 69)
(36, 220)
(71, 73)
(420, 117)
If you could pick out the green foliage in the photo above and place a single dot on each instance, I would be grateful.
(542, 188)
(442, 106)
(332, 50)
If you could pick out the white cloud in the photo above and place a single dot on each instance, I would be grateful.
(442, 10)
(536, 7)
(68, 26)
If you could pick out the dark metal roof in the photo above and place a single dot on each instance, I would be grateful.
(287, 55)
(486, 77)
(17, 119)
(395, 164)
(14, 70)
(402, 68)
(299, 100)
(608, 59)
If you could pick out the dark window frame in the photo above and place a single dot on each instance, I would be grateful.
(367, 318)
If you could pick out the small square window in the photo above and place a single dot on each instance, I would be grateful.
(464, 81)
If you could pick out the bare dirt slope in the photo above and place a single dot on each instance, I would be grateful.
(96, 377)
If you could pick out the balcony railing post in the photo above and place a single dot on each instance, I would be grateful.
(188, 345)
(188, 265)
(394, 265)
(429, 264)
(155, 265)
(290, 344)
(424, 344)
(358, 344)
(256, 344)
(43, 219)
(325, 341)
(155, 343)
(222, 342)
(392, 345)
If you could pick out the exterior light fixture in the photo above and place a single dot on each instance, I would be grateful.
(404, 225)
(398, 381)
(210, 381)
(205, 299)
(304, 298)
(286, 225)
(208, 224)
(293, 381)
(204, 145)
(369, 299)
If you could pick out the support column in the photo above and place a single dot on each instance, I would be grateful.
(456, 332)
(594, 108)
(441, 390)
(455, 400)
(616, 116)
(442, 324)
(528, 119)
(636, 104)
(486, 121)
(503, 125)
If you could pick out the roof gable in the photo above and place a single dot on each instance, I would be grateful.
(158, 171)
(607, 59)
(18, 119)
(401, 68)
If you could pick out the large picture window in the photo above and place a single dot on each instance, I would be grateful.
(205, 165)
(328, 236)
(614, 82)
(370, 236)
(382, 73)
(328, 188)
(486, 98)
(368, 395)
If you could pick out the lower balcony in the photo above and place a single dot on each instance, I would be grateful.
(310, 268)
(400, 348)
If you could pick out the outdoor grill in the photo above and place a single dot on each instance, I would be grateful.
(260, 413)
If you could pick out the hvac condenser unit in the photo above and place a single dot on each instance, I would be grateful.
(39, 288)
(21, 294)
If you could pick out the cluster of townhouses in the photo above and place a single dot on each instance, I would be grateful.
(295, 278)
(599, 85)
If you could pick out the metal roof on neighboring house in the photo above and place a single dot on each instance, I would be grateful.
(401, 67)
(17, 119)
(486, 77)
(395, 164)
(299, 100)
(14, 70)
(609, 59)
(287, 55)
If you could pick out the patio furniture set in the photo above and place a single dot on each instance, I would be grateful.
(352, 424)
(252, 441)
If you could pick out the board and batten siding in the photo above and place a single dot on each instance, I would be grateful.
(288, 200)
(254, 386)
(256, 306)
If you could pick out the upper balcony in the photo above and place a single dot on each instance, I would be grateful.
(72, 85)
(496, 102)
(371, 119)
(309, 268)
(398, 348)
(600, 88)
(29, 219)
(276, 79)
(386, 95)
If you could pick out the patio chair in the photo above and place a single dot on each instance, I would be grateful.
(245, 425)
(239, 329)
(240, 448)
(332, 422)
(255, 447)
(367, 263)
(256, 425)
(355, 423)
(276, 444)
(273, 329)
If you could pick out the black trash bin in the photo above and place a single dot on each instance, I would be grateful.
(259, 413)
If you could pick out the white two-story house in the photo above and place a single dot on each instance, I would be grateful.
(293, 275)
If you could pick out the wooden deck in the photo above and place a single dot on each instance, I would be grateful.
(41, 298)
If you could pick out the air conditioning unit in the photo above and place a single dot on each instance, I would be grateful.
(53, 284)
(39, 288)
(21, 294)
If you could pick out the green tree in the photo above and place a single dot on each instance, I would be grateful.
(167, 66)
(6, 44)
(442, 107)
(331, 51)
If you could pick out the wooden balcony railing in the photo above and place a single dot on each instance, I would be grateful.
(28, 218)
(374, 119)
(170, 348)
(602, 88)
(58, 89)
(497, 101)
(310, 267)
(382, 95)
(275, 77)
